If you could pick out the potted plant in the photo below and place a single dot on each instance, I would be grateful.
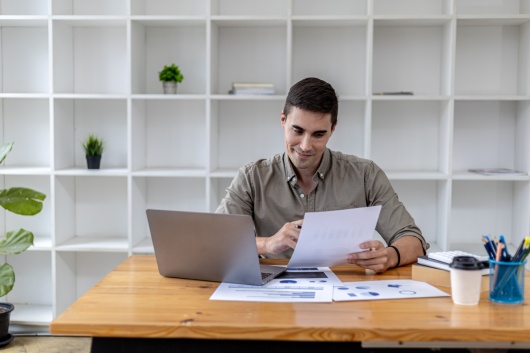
(170, 77)
(93, 147)
(21, 201)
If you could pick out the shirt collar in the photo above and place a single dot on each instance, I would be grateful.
(290, 175)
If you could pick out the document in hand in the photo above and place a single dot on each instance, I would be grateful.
(328, 237)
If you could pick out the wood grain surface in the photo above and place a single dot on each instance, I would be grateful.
(135, 301)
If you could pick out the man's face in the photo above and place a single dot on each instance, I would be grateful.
(306, 135)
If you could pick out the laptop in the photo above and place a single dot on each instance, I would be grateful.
(208, 246)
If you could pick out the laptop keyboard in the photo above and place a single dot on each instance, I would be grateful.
(265, 274)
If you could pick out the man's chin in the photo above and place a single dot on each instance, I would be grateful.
(302, 163)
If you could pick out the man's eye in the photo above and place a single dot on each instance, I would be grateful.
(298, 131)
(319, 135)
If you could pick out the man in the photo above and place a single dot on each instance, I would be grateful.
(309, 177)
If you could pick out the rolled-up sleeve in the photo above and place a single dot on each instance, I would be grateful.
(394, 221)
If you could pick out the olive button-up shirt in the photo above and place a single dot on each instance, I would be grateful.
(267, 190)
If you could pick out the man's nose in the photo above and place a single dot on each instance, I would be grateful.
(305, 144)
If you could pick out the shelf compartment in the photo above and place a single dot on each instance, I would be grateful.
(249, 8)
(256, 126)
(155, 44)
(348, 136)
(427, 202)
(15, 117)
(98, 60)
(248, 54)
(93, 7)
(413, 7)
(165, 193)
(90, 209)
(329, 8)
(489, 207)
(24, 57)
(162, 133)
(412, 58)
(34, 271)
(411, 136)
(29, 314)
(492, 59)
(312, 50)
(169, 8)
(24, 8)
(144, 247)
(93, 243)
(480, 7)
(75, 119)
(77, 272)
(491, 134)
(218, 186)
(39, 224)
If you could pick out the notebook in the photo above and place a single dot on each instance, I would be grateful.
(208, 246)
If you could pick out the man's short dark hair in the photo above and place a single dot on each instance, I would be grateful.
(314, 95)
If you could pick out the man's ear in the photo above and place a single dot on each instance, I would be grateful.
(333, 128)
(283, 118)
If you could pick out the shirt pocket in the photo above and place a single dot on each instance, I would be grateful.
(341, 207)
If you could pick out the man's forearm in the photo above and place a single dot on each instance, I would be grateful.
(409, 248)
(261, 243)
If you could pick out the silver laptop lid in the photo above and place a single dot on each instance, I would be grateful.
(205, 246)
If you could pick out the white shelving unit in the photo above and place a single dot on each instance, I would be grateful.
(72, 67)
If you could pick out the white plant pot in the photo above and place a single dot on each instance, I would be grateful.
(169, 87)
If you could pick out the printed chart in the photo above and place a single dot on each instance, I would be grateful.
(395, 289)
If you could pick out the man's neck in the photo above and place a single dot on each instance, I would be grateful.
(305, 180)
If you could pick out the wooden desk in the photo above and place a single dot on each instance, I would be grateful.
(134, 301)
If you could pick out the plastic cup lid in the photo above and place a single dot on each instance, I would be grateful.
(466, 263)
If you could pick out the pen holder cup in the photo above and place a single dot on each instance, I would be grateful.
(507, 282)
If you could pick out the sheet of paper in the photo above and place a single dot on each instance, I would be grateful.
(303, 284)
(385, 289)
(277, 290)
(328, 237)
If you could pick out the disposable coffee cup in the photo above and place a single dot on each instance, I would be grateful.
(466, 277)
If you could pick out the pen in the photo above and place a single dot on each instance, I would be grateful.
(505, 254)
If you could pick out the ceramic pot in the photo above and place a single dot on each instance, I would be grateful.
(5, 314)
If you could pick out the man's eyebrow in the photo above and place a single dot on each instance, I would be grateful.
(314, 132)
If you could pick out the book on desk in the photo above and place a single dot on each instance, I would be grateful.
(438, 277)
(430, 262)
(438, 272)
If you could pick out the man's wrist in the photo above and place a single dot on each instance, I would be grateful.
(398, 256)
(261, 244)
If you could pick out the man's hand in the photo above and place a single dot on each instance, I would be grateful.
(284, 239)
(380, 258)
(376, 258)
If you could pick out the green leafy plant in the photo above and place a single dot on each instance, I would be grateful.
(21, 201)
(93, 145)
(170, 74)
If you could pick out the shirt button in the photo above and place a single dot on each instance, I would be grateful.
(302, 195)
